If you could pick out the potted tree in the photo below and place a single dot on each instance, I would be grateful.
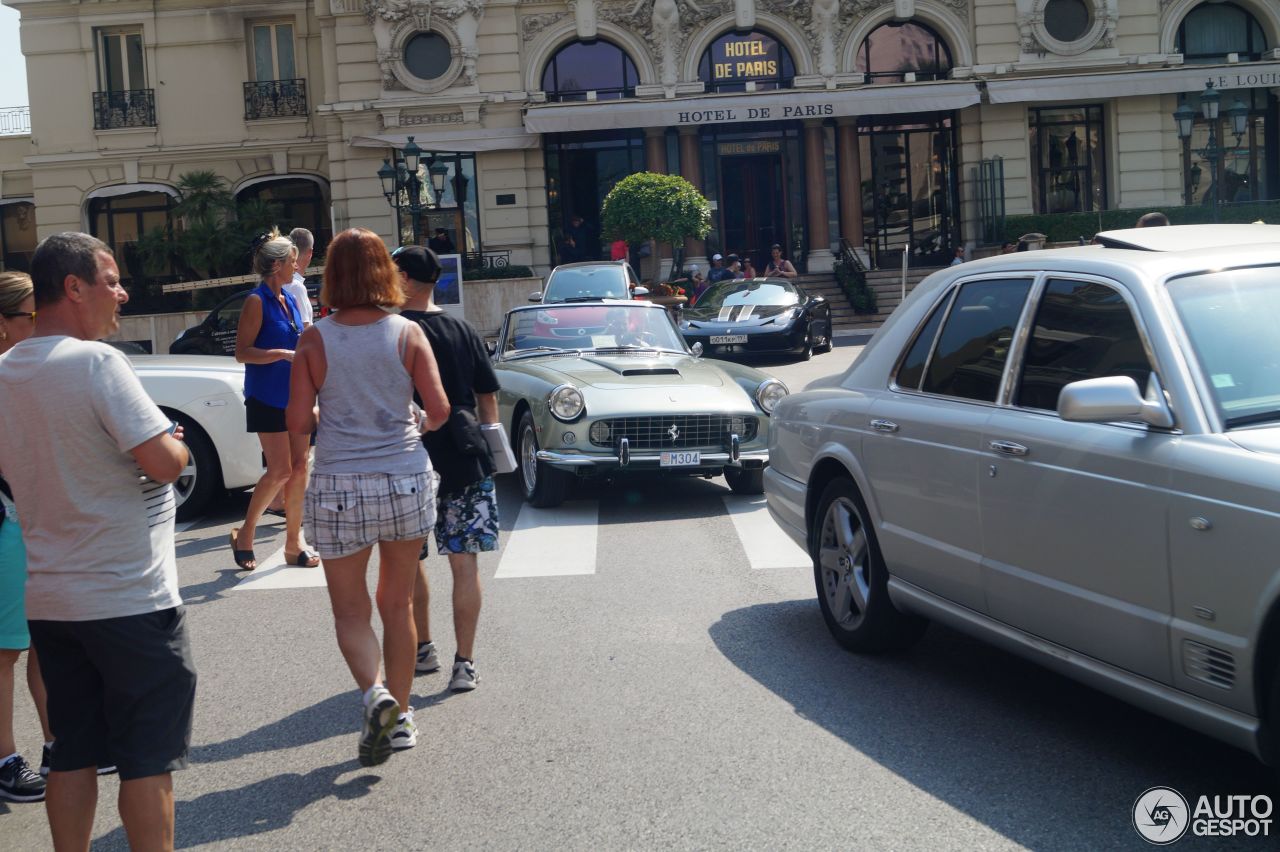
(657, 208)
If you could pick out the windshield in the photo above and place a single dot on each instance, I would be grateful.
(586, 282)
(749, 292)
(1232, 319)
(578, 327)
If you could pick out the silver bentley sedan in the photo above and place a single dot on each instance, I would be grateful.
(1074, 454)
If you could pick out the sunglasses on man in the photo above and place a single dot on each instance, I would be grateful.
(31, 315)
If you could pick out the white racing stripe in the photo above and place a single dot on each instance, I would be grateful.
(272, 573)
(551, 542)
(767, 546)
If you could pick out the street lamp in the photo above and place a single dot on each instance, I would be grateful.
(1212, 152)
(403, 178)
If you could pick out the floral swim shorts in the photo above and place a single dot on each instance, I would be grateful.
(467, 521)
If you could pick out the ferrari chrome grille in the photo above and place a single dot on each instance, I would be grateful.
(676, 431)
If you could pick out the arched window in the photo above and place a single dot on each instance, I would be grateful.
(121, 221)
(590, 66)
(737, 61)
(1212, 30)
(895, 48)
(296, 203)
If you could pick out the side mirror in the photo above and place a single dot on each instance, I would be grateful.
(1113, 399)
(696, 348)
(640, 292)
(535, 296)
(491, 347)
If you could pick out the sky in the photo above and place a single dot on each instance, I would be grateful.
(13, 68)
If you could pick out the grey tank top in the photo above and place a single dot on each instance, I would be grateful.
(366, 419)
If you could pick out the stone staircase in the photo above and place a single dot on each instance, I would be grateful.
(886, 283)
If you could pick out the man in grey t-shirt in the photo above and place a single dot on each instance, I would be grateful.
(89, 458)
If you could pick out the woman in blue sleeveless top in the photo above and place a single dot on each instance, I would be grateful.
(270, 323)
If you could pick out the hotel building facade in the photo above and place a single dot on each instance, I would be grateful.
(889, 126)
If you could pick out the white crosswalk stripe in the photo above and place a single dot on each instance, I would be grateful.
(552, 542)
(766, 545)
(273, 573)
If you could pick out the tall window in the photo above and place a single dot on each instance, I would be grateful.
(18, 235)
(1068, 149)
(594, 66)
(1248, 171)
(1212, 30)
(121, 221)
(120, 62)
(895, 48)
(738, 62)
(294, 203)
(273, 51)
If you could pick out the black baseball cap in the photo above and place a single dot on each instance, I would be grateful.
(418, 262)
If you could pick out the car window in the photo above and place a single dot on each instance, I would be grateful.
(592, 282)
(974, 343)
(226, 317)
(1083, 330)
(911, 370)
(750, 292)
(1232, 320)
(581, 327)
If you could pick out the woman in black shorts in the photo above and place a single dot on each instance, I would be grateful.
(270, 323)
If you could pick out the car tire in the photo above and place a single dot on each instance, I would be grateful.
(543, 485)
(806, 350)
(851, 578)
(201, 479)
(744, 480)
(826, 345)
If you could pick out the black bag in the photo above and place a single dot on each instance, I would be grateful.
(464, 428)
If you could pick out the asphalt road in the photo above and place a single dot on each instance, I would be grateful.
(655, 674)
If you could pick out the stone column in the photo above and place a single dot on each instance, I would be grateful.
(695, 251)
(849, 167)
(815, 189)
(655, 160)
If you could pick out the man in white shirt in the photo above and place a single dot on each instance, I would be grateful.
(306, 244)
(89, 458)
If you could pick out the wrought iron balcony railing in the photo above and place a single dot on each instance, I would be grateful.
(486, 259)
(15, 120)
(133, 108)
(274, 99)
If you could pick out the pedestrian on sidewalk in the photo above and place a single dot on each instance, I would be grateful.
(466, 504)
(270, 323)
(18, 781)
(373, 483)
(90, 457)
(779, 266)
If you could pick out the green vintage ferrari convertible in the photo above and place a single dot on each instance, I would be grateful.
(602, 389)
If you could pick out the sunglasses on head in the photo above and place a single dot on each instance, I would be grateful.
(31, 315)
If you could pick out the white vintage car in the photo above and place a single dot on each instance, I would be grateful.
(206, 395)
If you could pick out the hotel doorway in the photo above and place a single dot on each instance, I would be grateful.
(753, 204)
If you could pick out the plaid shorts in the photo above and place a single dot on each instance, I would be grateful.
(346, 512)
(467, 522)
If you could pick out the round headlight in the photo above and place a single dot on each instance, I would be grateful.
(566, 403)
(600, 433)
(769, 393)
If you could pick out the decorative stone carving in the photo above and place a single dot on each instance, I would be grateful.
(822, 29)
(531, 25)
(431, 118)
(396, 21)
(744, 13)
(1033, 37)
(904, 10)
(584, 15)
(386, 65)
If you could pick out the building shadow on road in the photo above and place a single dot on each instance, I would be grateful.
(1044, 761)
(332, 717)
(258, 808)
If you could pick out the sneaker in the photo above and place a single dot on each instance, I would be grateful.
(428, 659)
(380, 716)
(19, 783)
(405, 734)
(46, 755)
(464, 677)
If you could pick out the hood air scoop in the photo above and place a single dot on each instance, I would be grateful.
(649, 371)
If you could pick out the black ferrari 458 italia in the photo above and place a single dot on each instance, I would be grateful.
(758, 315)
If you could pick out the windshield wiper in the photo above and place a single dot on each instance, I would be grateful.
(1252, 419)
(541, 350)
(588, 299)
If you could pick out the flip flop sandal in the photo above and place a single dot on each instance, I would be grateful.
(242, 557)
(303, 559)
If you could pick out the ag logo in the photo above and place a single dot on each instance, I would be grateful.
(1161, 816)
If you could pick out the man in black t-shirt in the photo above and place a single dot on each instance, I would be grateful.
(466, 507)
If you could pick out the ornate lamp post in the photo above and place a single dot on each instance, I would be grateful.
(1210, 102)
(403, 177)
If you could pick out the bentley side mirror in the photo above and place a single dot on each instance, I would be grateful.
(535, 296)
(640, 292)
(696, 349)
(1113, 399)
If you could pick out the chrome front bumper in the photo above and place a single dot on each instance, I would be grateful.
(721, 459)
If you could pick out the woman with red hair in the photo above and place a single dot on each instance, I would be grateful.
(354, 374)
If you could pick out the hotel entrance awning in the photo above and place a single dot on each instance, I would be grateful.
(464, 141)
(1120, 84)
(755, 107)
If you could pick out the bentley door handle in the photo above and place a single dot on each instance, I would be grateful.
(884, 425)
(1008, 448)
